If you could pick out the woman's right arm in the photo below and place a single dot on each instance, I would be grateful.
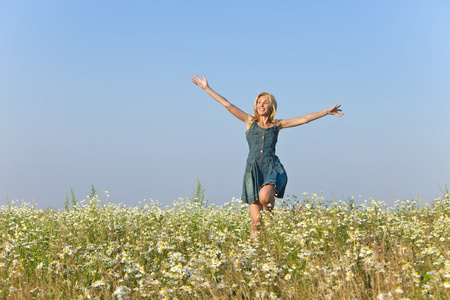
(203, 83)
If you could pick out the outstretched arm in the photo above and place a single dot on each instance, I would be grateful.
(203, 83)
(311, 117)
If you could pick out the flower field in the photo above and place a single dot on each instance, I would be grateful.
(311, 249)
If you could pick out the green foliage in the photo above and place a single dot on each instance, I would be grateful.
(66, 203)
(93, 192)
(74, 200)
(308, 250)
(198, 195)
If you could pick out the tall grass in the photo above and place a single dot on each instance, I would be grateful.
(310, 250)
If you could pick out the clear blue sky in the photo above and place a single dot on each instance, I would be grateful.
(99, 92)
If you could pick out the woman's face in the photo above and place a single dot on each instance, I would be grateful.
(263, 106)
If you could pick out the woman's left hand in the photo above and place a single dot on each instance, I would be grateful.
(336, 111)
(203, 83)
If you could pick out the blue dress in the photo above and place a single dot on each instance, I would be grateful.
(263, 166)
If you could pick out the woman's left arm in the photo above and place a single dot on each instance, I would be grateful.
(310, 117)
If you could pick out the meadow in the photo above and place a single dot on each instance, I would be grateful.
(311, 249)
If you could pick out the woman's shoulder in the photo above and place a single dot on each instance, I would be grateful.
(250, 122)
(277, 123)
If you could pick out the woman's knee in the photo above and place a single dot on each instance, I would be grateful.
(266, 194)
(264, 198)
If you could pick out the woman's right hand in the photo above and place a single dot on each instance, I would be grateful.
(203, 83)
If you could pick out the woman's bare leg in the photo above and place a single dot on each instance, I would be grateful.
(267, 202)
(267, 198)
(255, 214)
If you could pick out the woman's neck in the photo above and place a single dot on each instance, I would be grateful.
(264, 121)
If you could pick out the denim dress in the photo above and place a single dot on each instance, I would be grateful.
(263, 166)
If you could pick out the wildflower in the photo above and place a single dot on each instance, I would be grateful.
(398, 290)
(187, 289)
(121, 292)
(98, 283)
(272, 295)
(447, 284)
(163, 292)
(222, 285)
(288, 276)
(67, 250)
(260, 293)
(383, 296)
(416, 277)
(87, 293)
(155, 282)
(252, 282)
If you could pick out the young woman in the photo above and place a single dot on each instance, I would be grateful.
(265, 177)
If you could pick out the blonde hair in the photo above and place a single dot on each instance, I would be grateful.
(272, 105)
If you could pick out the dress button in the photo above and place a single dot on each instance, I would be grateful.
(261, 151)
